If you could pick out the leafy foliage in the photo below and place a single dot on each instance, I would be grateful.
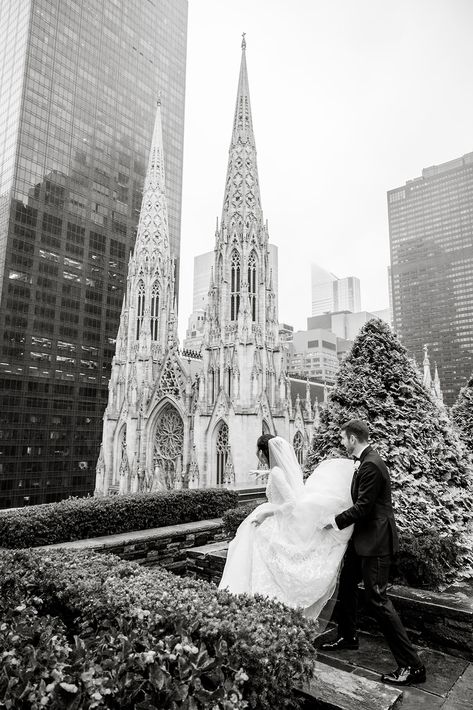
(424, 559)
(84, 630)
(462, 415)
(233, 517)
(79, 518)
(431, 477)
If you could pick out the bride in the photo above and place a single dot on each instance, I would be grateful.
(281, 549)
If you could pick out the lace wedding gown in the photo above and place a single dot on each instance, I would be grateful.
(289, 556)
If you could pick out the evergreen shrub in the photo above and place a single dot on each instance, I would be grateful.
(233, 517)
(462, 415)
(80, 518)
(431, 476)
(424, 559)
(85, 630)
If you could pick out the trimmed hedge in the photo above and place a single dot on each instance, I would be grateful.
(81, 518)
(425, 559)
(85, 630)
(233, 517)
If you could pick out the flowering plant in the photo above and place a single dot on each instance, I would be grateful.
(86, 630)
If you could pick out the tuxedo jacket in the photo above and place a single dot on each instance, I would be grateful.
(375, 532)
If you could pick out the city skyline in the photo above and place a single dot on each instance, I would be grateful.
(333, 84)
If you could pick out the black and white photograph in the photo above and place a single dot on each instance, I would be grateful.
(236, 355)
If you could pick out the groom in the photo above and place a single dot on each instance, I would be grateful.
(369, 556)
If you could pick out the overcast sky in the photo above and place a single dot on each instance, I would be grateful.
(350, 98)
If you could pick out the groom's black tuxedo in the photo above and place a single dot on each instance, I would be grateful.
(369, 555)
(375, 532)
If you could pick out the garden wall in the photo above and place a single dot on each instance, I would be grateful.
(167, 546)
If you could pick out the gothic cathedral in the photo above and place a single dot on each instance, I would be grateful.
(173, 421)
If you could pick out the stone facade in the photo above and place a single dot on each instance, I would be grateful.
(176, 419)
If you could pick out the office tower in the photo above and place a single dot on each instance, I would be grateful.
(331, 294)
(79, 85)
(431, 241)
(344, 324)
(313, 354)
(202, 267)
(346, 294)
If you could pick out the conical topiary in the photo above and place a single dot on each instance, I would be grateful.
(462, 415)
(432, 480)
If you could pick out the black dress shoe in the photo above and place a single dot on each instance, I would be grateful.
(405, 676)
(341, 643)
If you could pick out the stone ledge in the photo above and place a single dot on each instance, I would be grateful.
(335, 689)
(455, 603)
(137, 536)
(443, 620)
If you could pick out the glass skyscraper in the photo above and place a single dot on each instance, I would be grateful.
(431, 240)
(79, 80)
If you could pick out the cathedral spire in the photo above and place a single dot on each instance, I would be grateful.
(242, 122)
(427, 379)
(242, 195)
(153, 231)
(147, 330)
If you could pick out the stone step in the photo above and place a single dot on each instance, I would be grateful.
(247, 495)
(207, 561)
(449, 683)
(335, 689)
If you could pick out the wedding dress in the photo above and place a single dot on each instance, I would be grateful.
(289, 556)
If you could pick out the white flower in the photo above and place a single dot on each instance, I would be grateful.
(69, 687)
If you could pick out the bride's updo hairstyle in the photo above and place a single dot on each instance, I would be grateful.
(263, 444)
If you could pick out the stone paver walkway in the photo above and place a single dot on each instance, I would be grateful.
(449, 683)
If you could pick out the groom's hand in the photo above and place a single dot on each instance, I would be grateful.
(330, 524)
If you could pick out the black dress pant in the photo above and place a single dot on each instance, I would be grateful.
(374, 571)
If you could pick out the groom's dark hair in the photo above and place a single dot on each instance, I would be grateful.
(356, 428)
(263, 444)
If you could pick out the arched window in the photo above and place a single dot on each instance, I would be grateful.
(168, 447)
(140, 308)
(252, 284)
(298, 444)
(155, 311)
(235, 285)
(229, 381)
(222, 449)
